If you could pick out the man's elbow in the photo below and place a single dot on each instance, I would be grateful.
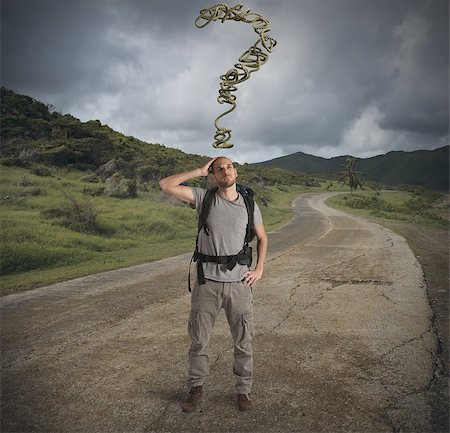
(263, 238)
(163, 185)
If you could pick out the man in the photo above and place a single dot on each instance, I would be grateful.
(219, 286)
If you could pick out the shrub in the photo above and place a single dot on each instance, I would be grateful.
(373, 202)
(41, 171)
(90, 178)
(10, 161)
(106, 170)
(311, 183)
(25, 181)
(77, 215)
(116, 186)
(94, 191)
(29, 154)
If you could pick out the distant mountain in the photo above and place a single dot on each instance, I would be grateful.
(427, 168)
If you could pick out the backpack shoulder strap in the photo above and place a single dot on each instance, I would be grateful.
(206, 206)
(247, 194)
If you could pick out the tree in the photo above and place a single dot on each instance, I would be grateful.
(349, 176)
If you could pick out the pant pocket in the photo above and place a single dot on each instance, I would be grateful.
(245, 331)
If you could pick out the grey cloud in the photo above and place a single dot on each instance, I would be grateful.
(347, 76)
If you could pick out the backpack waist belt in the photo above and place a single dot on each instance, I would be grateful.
(243, 257)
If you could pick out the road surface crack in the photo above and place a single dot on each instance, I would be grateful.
(337, 283)
(404, 343)
(291, 308)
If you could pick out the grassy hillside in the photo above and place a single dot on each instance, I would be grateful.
(426, 168)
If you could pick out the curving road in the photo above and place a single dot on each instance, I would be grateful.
(343, 342)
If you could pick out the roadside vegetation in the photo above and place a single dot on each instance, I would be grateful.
(406, 203)
(56, 224)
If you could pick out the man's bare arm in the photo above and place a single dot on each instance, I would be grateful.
(172, 184)
(252, 277)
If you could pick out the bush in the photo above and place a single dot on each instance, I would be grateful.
(25, 181)
(94, 191)
(116, 186)
(10, 161)
(41, 171)
(417, 206)
(76, 215)
(90, 178)
(106, 170)
(311, 183)
(373, 202)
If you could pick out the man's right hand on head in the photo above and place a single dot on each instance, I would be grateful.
(205, 169)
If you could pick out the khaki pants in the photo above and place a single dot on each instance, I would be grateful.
(206, 301)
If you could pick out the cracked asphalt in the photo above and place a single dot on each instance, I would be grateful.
(343, 342)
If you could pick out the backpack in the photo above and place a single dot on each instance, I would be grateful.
(247, 194)
(244, 256)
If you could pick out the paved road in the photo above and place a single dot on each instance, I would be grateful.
(343, 342)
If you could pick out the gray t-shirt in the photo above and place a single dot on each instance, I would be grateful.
(227, 222)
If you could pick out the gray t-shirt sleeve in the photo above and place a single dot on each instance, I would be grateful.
(199, 195)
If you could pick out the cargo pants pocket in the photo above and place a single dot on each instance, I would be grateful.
(245, 334)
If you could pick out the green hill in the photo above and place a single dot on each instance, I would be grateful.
(426, 168)
(34, 135)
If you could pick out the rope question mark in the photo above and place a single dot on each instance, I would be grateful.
(249, 61)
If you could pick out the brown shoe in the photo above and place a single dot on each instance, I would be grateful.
(193, 400)
(244, 402)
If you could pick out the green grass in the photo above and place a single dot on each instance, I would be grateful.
(413, 207)
(39, 245)
(38, 250)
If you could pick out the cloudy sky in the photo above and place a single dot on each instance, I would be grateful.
(358, 77)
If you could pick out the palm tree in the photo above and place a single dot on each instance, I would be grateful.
(349, 176)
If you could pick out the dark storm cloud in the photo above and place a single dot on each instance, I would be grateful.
(347, 77)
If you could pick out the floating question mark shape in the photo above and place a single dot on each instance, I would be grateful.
(250, 61)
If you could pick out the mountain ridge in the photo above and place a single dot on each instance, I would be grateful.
(427, 168)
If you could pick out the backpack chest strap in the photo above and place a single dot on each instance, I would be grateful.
(243, 257)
